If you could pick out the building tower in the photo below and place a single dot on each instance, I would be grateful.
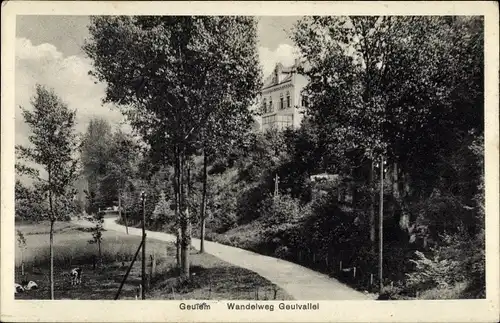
(282, 103)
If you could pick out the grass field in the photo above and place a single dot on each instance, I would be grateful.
(211, 277)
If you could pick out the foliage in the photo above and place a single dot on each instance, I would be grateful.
(456, 291)
(460, 258)
(52, 145)
(282, 209)
(97, 229)
(108, 161)
(122, 164)
(21, 240)
(162, 212)
(408, 88)
(95, 150)
(171, 107)
(30, 203)
(434, 272)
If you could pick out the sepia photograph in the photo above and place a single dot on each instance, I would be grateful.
(273, 162)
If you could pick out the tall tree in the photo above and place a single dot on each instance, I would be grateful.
(227, 129)
(170, 76)
(384, 85)
(96, 154)
(121, 167)
(53, 143)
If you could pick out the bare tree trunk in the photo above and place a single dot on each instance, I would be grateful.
(203, 204)
(186, 236)
(178, 247)
(381, 225)
(372, 207)
(52, 259)
(177, 207)
(182, 215)
(51, 238)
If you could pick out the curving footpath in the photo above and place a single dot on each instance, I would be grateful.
(299, 282)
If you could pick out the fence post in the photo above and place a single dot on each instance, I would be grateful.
(354, 272)
(341, 265)
(257, 292)
(371, 279)
(275, 292)
(314, 258)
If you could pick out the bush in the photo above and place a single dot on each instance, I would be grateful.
(30, 203)
(454, 291)
(282, 252)
(433, 272)
(281, 222)
(460, 259)
(281, 209)
(390, 292)
(252, 204)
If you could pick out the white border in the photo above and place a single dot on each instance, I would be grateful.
(159, 311)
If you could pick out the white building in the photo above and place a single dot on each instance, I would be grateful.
(282, 102)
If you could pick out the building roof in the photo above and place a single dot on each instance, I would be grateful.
(271, 80)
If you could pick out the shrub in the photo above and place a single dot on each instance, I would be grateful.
(454, 291)
(282, 252)
(390, 292)
(281, 209)
(433, 272)
(252, 204)
(30, 203)
(459, 259)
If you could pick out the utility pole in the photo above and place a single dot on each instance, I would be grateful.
(381, 225)
(143, 289)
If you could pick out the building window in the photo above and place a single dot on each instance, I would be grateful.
(284, 122)
(268, 121)
(281, 102)
(305, 100)
(287, 99)
(264, 106)
(270, 105)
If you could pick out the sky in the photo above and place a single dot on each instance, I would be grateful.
(48, 51)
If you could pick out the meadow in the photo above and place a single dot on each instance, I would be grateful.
(211, 278)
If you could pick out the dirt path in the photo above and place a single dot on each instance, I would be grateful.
(300, 282)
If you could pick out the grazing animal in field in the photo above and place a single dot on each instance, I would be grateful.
(30, 285)
(18, 288)
(76, 276)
